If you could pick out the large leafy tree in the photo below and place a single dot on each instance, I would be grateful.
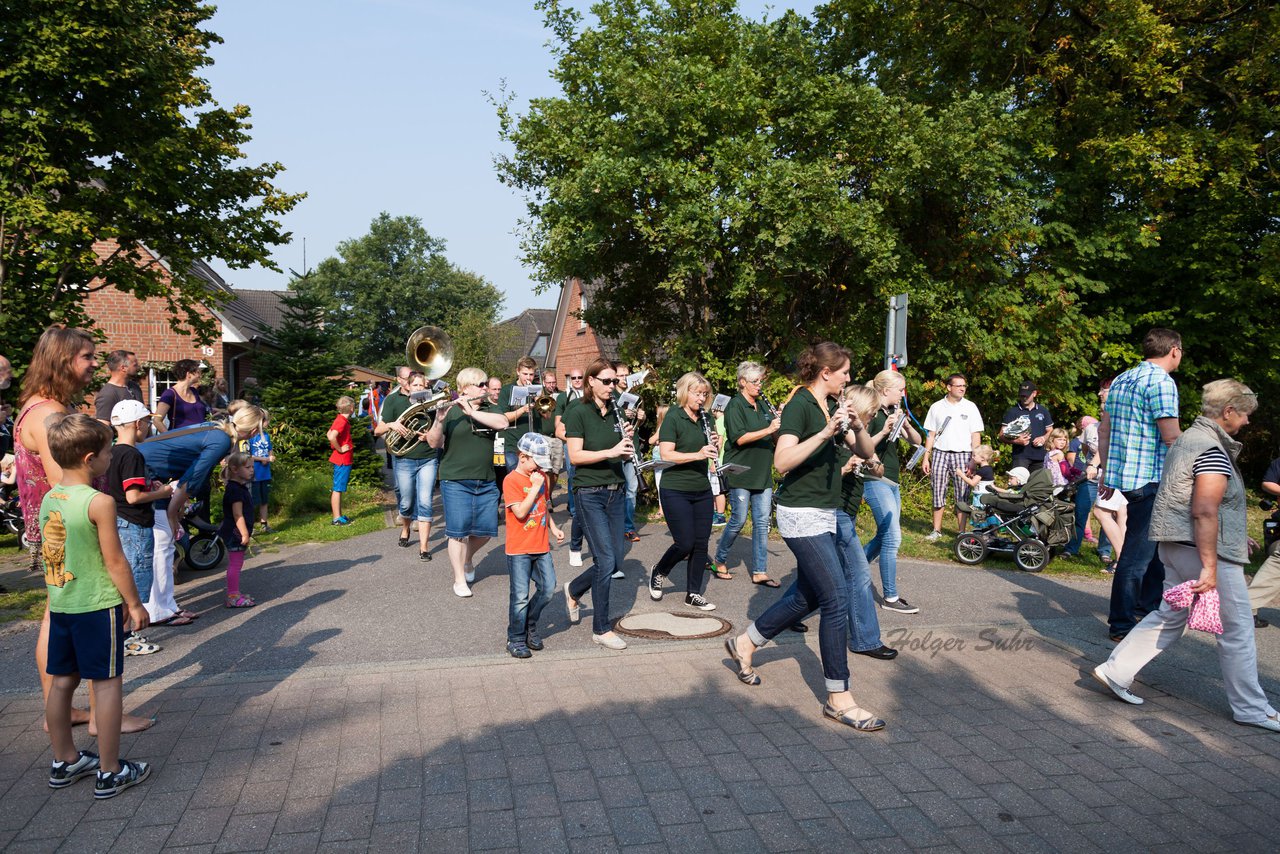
(385, 284)
(108, 133)
(736, 193)
(1149, 140)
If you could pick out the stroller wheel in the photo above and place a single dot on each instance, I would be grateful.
(1031, 555)
(970, 549)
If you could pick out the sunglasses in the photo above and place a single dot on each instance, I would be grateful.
(574, 376)
(609, 381)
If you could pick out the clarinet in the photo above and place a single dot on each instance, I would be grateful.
(636, 462)
(714, 473)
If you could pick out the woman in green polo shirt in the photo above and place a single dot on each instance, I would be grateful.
(464, 434)
(685, 493)
(807, 502)
(597, 448)
(750, 424)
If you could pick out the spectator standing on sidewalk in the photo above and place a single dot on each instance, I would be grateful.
(263, 453)
(1139, 424)
(1266, 582)
(1027, 438)
(953, 429)
(122, 367)
(343, 456)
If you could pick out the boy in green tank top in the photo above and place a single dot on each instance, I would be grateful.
(90, 585)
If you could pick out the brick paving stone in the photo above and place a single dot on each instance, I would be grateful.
(246, 833)
(395, 838)
(585, 819)
(203, 825)
(445, 810)
(95, 836)
(493, 830)
(720, 813)
(347, 822)
(744, 840)
(825, 835)
(398, 806)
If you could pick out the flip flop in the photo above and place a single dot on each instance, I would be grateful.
(766, 581)
(190, 615)
(722, 574)
(178, 619)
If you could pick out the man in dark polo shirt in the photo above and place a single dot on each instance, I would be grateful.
(1026, 436)
(122, 367)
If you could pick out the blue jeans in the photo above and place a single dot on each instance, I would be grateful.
(885, 500)
(819, 586)
(139, 544)
(864, 625)
(633, 485)
(759, 502)
(575, 525)
(1086, 495)
(600, 512)
(1139, 580)
(415, 487)
(523, 613)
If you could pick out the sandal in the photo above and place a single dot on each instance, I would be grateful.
(870, 723)
(746, 676)
(721, 571)
(190, 615)
(240, 601)
(765, 581)
(178, 619)
(404, 541)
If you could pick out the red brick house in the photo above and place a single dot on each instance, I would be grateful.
(574, 344)
(244, 325)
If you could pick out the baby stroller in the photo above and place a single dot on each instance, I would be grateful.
(11, 514)
(1029, 526)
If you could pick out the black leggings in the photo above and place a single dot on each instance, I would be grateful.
(688, 516)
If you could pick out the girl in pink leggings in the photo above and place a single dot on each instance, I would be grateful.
(237, 524)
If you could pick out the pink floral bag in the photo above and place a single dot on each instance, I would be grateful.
(1205, 614)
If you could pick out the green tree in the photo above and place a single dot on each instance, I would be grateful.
(386, 284)
(736, 192)
(108, 133)
(1148, 141)
(302, 379)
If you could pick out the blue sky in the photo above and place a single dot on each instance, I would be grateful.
(379, 105)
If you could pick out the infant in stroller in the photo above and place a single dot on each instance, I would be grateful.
(1031, 489)
(1027, 523)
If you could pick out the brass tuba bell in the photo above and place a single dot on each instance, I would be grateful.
(430, 350)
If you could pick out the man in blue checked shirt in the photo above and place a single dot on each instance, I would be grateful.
(1138, 425)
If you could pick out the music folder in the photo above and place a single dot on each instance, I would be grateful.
(733, 468)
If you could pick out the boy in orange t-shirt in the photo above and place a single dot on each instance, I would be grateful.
(339, 437)
(524, 494)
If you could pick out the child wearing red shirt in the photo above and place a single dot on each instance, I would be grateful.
(340, 440)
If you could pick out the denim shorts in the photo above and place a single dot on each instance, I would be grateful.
(470, 508)
(139, 544)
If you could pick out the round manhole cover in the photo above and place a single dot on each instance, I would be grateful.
(662, 625)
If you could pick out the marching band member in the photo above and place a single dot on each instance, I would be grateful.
(597, 449)
(807, 502)
(883, 495)
(686, 440)
(415, 470)
(570, 397)
(750, 425)
(470, 494)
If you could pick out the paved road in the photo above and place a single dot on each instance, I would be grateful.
(362, 706)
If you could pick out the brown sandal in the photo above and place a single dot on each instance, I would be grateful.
(764, 581)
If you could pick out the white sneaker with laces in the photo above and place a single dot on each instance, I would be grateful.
(933, 537)
(575, 558)
(1115, 688)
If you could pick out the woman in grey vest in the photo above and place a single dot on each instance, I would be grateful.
(1199, 524)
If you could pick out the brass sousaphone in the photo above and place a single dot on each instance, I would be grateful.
(430, 351)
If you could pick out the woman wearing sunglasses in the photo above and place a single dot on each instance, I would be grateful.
(597, 446)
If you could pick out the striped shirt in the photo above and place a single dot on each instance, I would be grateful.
(1213, 461)
(1135, 453)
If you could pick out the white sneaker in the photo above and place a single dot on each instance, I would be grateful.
(1119, 690)
(1269, 723)
(462, 591)
(617, 573)
(470, 574)
(933, 537)
(575, 558)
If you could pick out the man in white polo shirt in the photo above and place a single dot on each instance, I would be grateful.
(955, 428)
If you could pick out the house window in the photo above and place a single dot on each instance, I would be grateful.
(538, 352)
(582, 314)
